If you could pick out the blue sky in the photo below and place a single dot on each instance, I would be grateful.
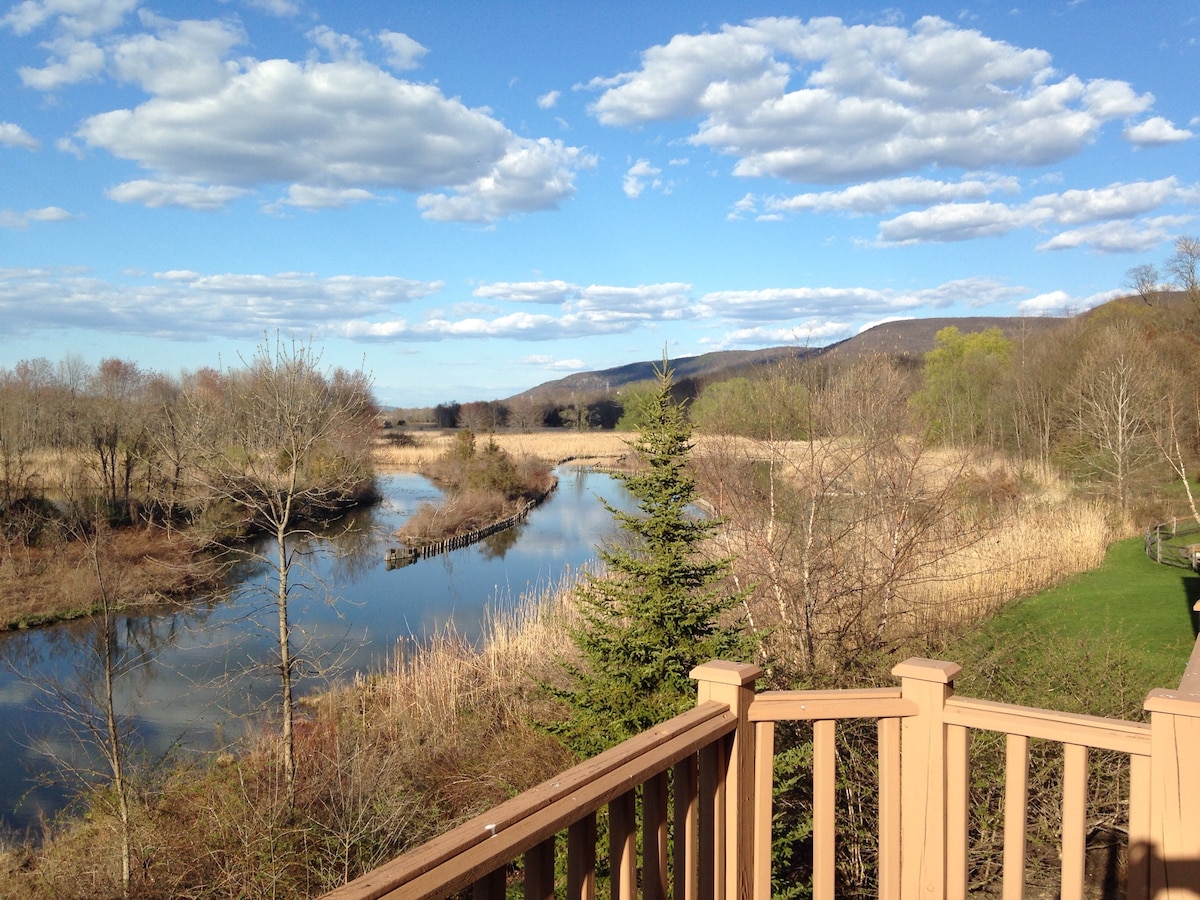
(468, 200)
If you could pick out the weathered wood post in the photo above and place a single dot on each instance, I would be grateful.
(928, 683)
(733, 684)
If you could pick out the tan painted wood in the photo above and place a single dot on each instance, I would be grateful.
(710, 848)
(824, 808)
(539, 871)
(764, 795)
(958, 799)
(686, 815)
(654, 838)
(1074, 821)
(867, 703)
(1016, 814)
(1174, 795)
(1137, 881)
(734, 685)
(581, 859)
(1089, 731)
(622, 846)
(642, 752)
(927, 683)
(889, 808)
(463, 868)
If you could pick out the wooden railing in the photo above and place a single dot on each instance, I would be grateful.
(716, 764)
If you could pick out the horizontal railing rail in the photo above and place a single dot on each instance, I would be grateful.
(715, 766)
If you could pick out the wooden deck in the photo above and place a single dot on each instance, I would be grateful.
(699, 787)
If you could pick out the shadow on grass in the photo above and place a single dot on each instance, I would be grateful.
(1191, 590)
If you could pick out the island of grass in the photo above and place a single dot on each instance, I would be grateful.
(481, 487)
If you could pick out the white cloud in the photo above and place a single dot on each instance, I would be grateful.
(531, 176)
(968, 221)
(1154, 132)
(824, 102)
(339, 47)
(1060, 303)
(548, 100)
(403, 52)
(1119, 237)
(551, 292)
(186, 194)
(635, 179)
(876, 197)
(553, 364)
(344, 126)
(21, 220)
(306, 197)
(77, 17)
(958, 222)
(183, 60)
(777, 305)
(13, 135)
(71, 61)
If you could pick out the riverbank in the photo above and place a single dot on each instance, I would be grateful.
(142, 567)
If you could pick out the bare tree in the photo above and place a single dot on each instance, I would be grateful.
(1113, 397)
(1143, 281)
(285, 442)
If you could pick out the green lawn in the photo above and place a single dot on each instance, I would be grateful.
(1096, 643)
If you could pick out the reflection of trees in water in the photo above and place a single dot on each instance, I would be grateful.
(497, 545)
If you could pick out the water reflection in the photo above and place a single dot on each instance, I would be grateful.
(193, 674)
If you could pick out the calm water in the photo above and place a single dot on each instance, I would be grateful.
(196, 673)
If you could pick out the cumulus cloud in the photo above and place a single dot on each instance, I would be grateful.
(1121, 201)
(825, 102)
(306, 197)
(71, 61)
(531, 176)
(13, 135)
(1154, 132)
(776, 305)
(22, 220)
(548, 100)
(637, 176)
(403, 52)
(875, 197)
(78, 17)
(1061, 303)
(1119, 237)
(182, 60)
(183, 304)
(185, 194)
(333, 130)
(553, 364)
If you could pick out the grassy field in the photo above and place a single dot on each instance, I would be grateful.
(1124, 627)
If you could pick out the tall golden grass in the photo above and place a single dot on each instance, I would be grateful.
(554, 446)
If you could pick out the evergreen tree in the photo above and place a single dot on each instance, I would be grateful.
(655, 612)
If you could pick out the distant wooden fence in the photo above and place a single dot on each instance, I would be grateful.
(1163, 544)
(395, 557)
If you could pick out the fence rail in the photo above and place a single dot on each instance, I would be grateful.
(1159, 549)
(716, 763)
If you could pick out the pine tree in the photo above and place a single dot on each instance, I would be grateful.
(656, 611)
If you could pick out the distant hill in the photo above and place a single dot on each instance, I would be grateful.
(908, 337)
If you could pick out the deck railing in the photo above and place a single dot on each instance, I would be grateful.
(715, 763)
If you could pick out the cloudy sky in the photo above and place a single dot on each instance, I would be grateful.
(468, 199)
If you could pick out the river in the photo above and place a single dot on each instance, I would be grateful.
(193, 676)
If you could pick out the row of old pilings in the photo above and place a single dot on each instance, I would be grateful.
(396, 557)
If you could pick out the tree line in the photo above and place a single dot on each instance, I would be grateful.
(137, 446)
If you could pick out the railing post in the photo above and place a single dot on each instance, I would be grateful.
(1174, 851)
(928, 683)
(733, 684)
